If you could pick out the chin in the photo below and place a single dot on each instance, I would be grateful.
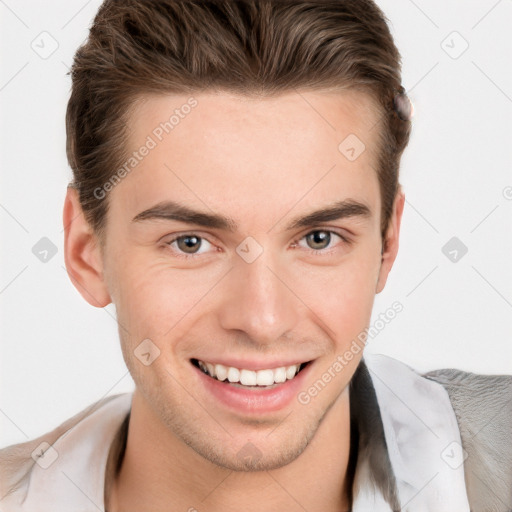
(254, 457)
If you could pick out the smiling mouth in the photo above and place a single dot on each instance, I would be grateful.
(249, 378)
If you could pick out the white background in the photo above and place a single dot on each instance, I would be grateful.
(59, 354)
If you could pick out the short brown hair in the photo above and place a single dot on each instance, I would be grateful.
(244, 46)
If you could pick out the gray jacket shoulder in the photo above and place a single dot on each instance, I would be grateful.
(483, 408)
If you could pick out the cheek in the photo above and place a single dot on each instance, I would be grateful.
(155, 301)
(342, 297)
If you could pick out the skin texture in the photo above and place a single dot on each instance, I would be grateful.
(262, 162)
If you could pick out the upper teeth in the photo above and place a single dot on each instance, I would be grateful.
(250, 377)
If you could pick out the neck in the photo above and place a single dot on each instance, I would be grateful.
(157, 470)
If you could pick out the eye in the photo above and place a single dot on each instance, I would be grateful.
(320, 239)
(189, 245)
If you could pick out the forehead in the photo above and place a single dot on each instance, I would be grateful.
(224, 150)
(298, 116)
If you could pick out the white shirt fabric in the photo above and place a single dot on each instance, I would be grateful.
(423, 441)
(420, 428)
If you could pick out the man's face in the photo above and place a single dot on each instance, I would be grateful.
(262, 292)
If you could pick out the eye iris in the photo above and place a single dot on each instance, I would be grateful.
(319, 237)
(188, 243)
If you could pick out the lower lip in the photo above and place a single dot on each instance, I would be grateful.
(254, 399)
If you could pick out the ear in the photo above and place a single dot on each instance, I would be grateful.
(82, 253)
(390, 244)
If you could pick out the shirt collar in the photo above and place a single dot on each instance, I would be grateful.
(410, 454)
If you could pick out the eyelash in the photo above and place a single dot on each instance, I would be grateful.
(315, 252)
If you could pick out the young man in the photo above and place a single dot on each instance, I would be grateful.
(236, 197)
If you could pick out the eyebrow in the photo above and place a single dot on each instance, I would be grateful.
(170, 210)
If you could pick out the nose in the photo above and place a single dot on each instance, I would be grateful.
(259, 301)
